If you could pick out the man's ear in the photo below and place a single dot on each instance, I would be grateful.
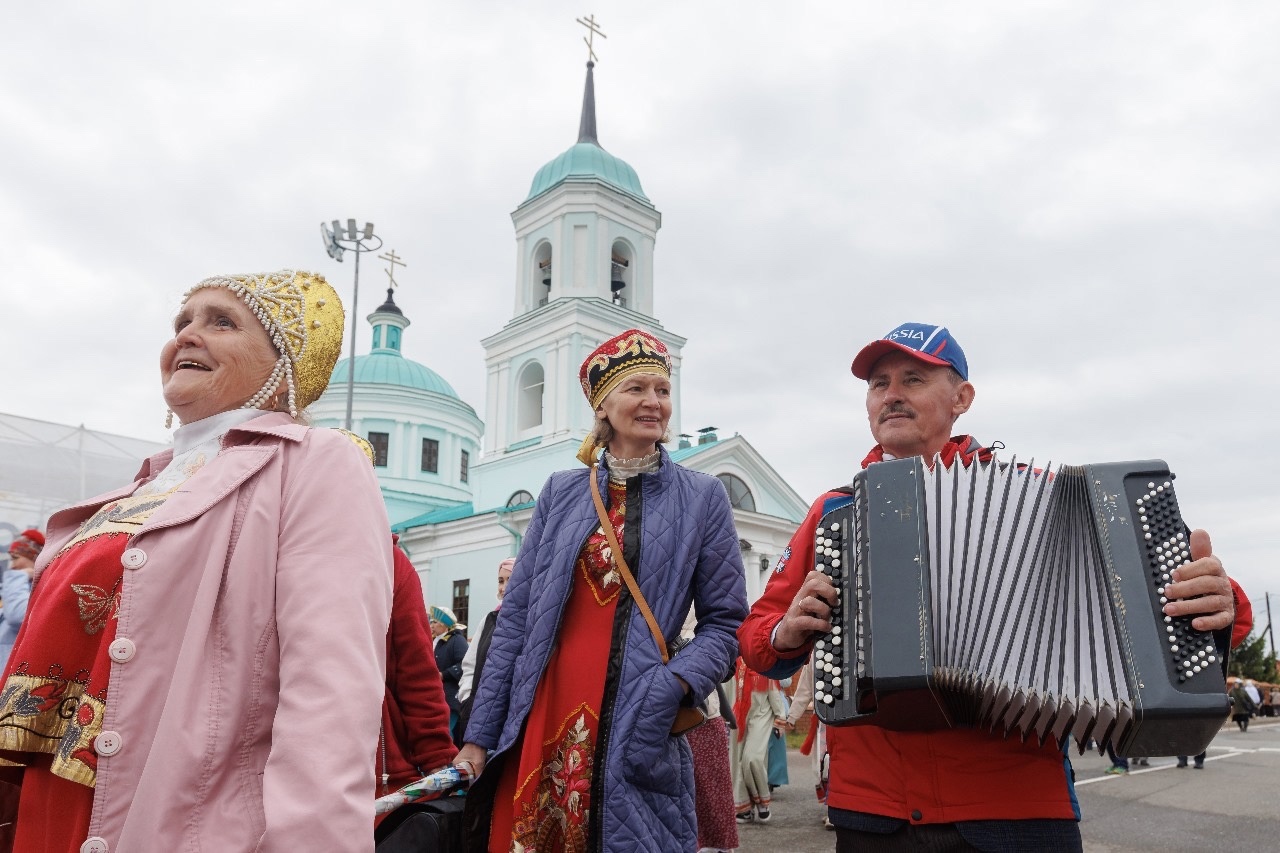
(965, 393)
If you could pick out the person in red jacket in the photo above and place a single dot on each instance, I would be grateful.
(952, 789)
(415, 717)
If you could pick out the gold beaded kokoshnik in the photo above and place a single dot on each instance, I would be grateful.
(303, 316)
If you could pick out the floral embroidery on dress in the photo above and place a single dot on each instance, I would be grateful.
(596, 559)
(557, 821)
(53, 715)
(570, 770)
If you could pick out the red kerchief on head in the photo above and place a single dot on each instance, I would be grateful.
(633, 351)
(28, 544)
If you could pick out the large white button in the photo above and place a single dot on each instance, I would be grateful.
(133, 558)
(122, 650)
(94, 844)
(108, 743)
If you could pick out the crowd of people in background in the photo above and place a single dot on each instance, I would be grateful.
(198, 665)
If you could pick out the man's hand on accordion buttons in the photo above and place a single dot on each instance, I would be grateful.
(809, 613)
(1203, 588)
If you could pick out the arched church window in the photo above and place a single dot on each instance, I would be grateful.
(529, 405)
(740, 496)
(519, 498)
(542, 274)
(620, 273)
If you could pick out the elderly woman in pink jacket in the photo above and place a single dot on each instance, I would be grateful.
(201, 667)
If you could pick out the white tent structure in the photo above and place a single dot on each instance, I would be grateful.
(44, 466)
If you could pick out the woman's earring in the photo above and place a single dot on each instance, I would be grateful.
(168, 420)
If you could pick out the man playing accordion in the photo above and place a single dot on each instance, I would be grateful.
(947, 789)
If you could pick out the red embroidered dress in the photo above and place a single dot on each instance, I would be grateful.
(543, 799)
(55, 690)
(55, 693)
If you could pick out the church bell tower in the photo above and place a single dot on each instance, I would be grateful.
(584, 272)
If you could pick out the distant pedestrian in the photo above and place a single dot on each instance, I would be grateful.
(757, 707)
(1243, 706)
(1119, 764)
(1182, 760)
(477, 652)
(15, 587)
(450, 648)
(778, 775)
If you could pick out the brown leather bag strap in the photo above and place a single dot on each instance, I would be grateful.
(621, 563)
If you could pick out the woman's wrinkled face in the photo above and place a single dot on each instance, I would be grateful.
(219, 356)
(638, 410)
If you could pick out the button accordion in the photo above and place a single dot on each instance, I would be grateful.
(1024, 601)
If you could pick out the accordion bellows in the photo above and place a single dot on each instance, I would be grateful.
(1020, 600)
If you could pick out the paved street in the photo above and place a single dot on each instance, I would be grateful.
(1234, 803)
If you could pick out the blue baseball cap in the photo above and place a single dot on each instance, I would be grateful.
(930, 344)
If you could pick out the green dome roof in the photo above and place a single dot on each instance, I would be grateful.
(391, 368)
(587, 160)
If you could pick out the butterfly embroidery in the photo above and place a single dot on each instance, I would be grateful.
(96, 605)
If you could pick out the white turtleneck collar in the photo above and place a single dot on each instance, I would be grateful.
(194, 444)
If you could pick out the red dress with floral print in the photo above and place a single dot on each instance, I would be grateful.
(543, 799)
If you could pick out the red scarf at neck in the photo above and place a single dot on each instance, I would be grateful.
(964, 446)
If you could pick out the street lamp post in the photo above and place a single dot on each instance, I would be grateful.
(336, 241)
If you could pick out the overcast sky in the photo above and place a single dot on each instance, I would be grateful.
(1086, 193)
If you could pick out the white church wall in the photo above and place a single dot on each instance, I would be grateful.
(479, 568)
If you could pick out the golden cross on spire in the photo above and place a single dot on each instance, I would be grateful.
(393, 260)
(593, 30)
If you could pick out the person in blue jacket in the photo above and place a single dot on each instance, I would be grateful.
(575, 708)
(15, 587)
(450, 648)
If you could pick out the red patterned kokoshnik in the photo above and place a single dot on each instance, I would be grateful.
(633, 351)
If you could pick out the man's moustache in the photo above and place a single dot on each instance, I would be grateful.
(896, 410)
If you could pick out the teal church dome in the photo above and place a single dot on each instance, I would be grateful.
(391, 368)
(586, 160)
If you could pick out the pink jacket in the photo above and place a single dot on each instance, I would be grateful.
(257, 600)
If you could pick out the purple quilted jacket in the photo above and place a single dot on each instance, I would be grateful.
(681, 544)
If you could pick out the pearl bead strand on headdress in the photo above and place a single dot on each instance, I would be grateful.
(268, 390)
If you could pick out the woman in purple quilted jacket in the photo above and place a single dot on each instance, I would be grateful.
(574, 712)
